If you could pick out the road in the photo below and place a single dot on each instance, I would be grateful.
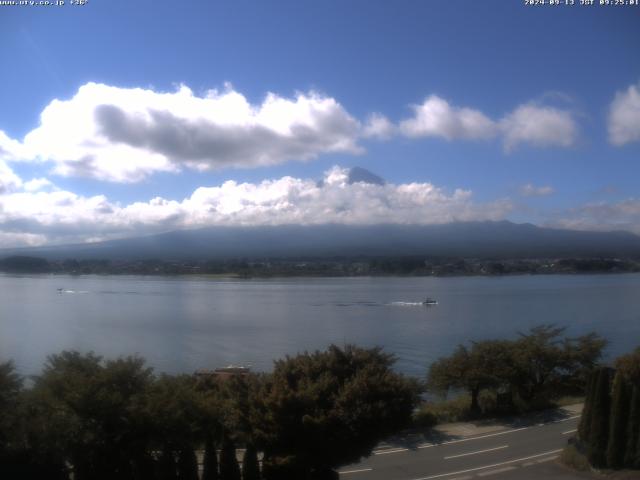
(509, 453)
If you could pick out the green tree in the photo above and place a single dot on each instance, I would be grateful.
(250, 466)
(10, 389)
(549, 366)
(584, 428)
(187, 464)
(229, 468)
(618, 422)
(91, 406)
(599, 431)
(326, 409)
(210, 461)
(174, 412)
(629, 366)
(631, 458)
(582, 355)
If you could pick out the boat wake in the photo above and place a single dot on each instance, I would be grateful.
(406, 304)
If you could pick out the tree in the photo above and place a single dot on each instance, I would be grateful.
(177, 420)
(631, 457)
(210, 461)
(629, 366)
(479, 368)
(229, 468)
(618, 422)
(187, 464)
(582, 355)
(250, 466)
(10, 389)
(537, 367)
(326, 409)
(584, 428)
(90, 404)
(599, 431)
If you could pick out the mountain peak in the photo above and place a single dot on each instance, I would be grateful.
(359, 174)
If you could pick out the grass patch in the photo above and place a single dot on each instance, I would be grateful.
(446, 411)
(568, 400)
(572, 458)
(456, 409)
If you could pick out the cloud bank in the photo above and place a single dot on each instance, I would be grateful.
(528, 124)
(125, 134)
(56, 216)
(623, 215)
(624, 117)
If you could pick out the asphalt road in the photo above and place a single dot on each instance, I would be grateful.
(519, 452)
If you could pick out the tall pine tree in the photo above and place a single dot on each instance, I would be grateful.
(599, 431)
(618, 422)
(229, 468)
(187, 464)
(633, 430)
(585, 422)
(210, 462)
(250, 466)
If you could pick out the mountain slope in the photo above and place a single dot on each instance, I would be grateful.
(470, 239)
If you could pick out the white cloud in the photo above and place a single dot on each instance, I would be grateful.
(539, 126)
(9, 181)
(624, 117)
(125, 134)
(10, 149)
(530, 190)
(530, 123)
(37, 184)
(64, 217)
(604, 216)
(378, 126)
(22, 239)
(436, 118)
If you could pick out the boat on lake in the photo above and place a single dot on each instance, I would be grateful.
(430, 301)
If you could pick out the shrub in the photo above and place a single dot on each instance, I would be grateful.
(572, 458)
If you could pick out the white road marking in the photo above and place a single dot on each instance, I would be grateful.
(475, 453)
(548, 459)
(493, 472)
(388, 450)
(570, 431)
(356, 471)
(429, 445)
(566, 419)
(397, 450)
(489, 466)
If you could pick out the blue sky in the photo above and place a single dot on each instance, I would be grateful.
(486, 110)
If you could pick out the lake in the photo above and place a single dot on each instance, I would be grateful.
(180, 324)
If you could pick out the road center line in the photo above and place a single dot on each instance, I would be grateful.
(489, 466)
(501, 447)
(570, 431)
(356, 471)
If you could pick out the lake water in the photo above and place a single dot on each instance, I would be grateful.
(180, 324)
